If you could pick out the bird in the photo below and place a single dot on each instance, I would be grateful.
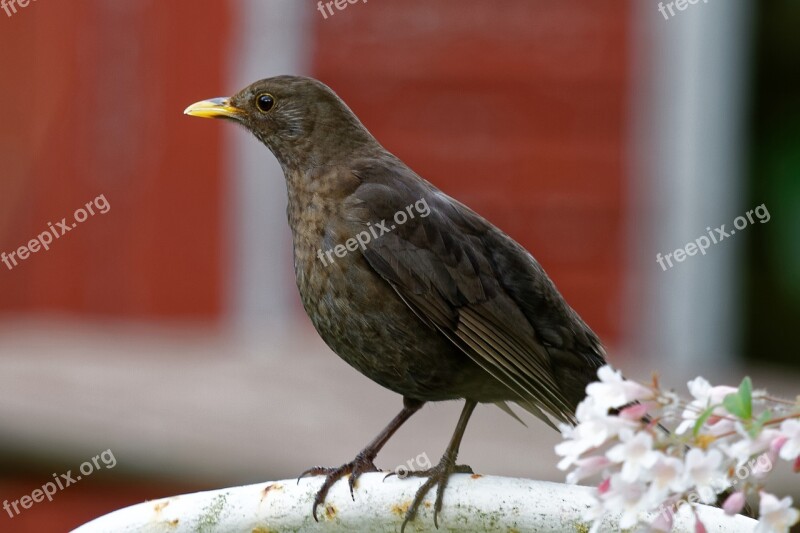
(409, 286)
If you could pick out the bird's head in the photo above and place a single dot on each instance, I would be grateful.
(301, 120)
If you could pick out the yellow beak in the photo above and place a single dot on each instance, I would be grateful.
(214, 108)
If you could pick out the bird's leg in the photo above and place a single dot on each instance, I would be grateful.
(364, 460)
(439, 474)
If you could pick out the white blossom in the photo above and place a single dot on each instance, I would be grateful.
(615, 391)
(595, 427)
(701, 471)
(664, 520)
(587, 467)
(708, 395)
(627, 499)
(666, 476)
(776, 516)
(742, 450)
(704, 397)
(644, 469)
(790, 429)
(635, 452)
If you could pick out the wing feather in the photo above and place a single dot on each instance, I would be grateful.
(449, 268)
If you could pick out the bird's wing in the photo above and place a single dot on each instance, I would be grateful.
(442, 266)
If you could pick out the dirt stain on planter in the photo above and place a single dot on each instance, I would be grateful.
(330, 511)
(266, 490)
(400, 509)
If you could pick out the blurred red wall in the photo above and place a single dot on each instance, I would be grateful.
(93, 96)
(516, 108)
(92, 106)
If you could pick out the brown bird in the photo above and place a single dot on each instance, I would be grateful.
(409, 286)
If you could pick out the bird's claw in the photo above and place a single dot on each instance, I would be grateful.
(360, 465)
(438, 475)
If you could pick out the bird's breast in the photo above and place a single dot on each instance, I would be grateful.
(358, 314)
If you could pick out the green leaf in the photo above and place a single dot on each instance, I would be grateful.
(702, 419)
(754, 429)
(740, 403)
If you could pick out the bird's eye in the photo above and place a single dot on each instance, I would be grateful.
(264, 102)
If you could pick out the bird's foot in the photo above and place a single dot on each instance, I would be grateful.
(438, 475)
(361, 464)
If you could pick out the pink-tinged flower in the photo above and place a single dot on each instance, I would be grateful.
(571, 450)
(604, 485)
(716, 426)
(588, 467)
(579, 440)
(776, 516)
(745, 448)
(791, 430)
(666, 476)
(635, 452)
(627, 499)
(704, 397)
(594, 429)
(664, 520)
(589, 410)
(777, 443)
(734, 503)
(702, 471)
(634, 412)
(704, 392)
(614, 391)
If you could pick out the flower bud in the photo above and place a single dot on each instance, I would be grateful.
(734, 503)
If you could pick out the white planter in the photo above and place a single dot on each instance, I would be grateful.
(471, 503)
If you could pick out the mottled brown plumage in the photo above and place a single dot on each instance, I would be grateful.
(442, 307)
